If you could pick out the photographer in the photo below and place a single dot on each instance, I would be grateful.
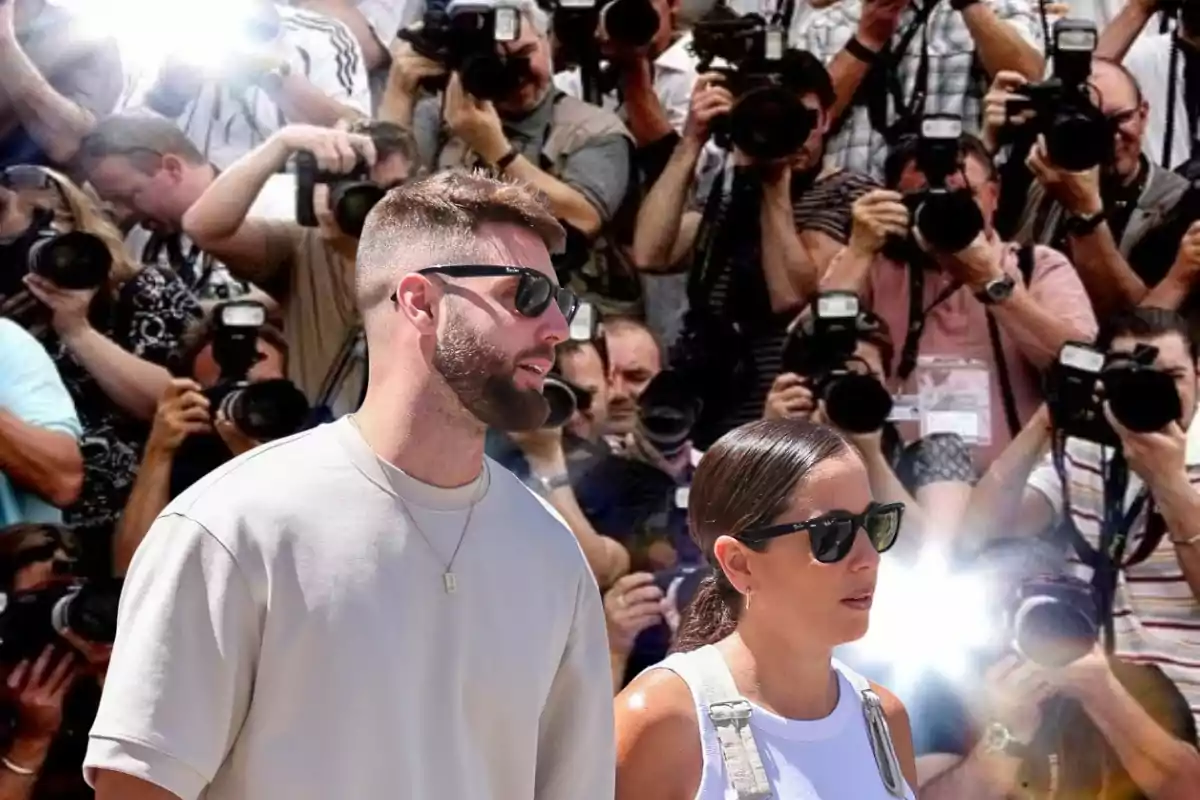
(981, 313)
(1100, 216)
(41, 467)
(759, 236)
(308, 270)
(184, 411)
(648, 83)
(577, 155)
(291, 67)
(836, 369)
(51, 674)
(108, 325)
(892, 61)
(55, 83)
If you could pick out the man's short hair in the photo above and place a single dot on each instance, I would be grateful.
(436, 220)
(623, 324)
(904, 152)
(572, 347)
(1148, 322)
(804, 73)
(390, 139)
(141, 138)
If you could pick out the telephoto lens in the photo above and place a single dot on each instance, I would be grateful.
(352, 201)
(854, 402)
(1056, 620)
(266, 410)
(74, 260)
(561, 399)
(1142, 398)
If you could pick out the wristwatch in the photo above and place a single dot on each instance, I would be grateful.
(1082, 224)
(997, 290)
(997, 740)
(548, 483)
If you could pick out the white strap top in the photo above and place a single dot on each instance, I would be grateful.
(752, 754)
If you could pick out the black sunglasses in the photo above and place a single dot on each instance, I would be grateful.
(535, 291)
(832, 535)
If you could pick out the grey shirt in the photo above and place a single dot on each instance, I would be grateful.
(599, 170)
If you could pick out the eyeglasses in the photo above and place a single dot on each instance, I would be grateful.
(832, 535)
(535, 291)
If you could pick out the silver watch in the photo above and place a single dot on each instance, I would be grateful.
(549, 483)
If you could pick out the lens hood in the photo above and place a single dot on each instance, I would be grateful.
(857, 403)
(74, 260)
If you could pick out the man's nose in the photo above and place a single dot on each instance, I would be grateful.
(554, 325)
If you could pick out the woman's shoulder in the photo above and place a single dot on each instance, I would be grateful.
(656, 721)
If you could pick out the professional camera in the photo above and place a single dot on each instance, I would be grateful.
(74, 260)
(578, 23)
(768, 121)
(264, 410)
(31, 620)
(351, 196)
(463, 37)
(667, 412)
(947, 219)
(821, 349)
(1141, 397)
(1078, 137)
(1055, 620)
(564, 398)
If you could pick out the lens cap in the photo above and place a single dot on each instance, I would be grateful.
(857, 403)
(74, 260)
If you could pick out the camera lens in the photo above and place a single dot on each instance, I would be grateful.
(1141, 398)
(266, 410)
(632, 23)
(1052, 632)
(1078, 141)
(561, 400)
(857, 403)
(769, 123)
(948, 219)
(74, 260)
(352, 201)
(488, 76)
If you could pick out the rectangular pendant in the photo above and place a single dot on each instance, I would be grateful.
(450, 582)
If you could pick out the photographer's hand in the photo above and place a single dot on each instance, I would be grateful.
(69, 307)
(879, 21)
(1159, 457)
(409, 68)
(789, 398)
(39, 690)
(995, 102)
(475, 122)
(710, 99)
(233, 437)
(182, 411)
(336, 151)
(1077, 192)
(877, 214)
(973, 266)
(1012, 694)
(633, 604)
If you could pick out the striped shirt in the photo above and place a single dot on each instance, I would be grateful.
(1156, 618)
(229, 118)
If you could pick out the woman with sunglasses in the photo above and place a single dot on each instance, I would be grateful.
(110, 342)
(752, 704)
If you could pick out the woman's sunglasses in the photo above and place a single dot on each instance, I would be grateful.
(832, 535)
(535, 291)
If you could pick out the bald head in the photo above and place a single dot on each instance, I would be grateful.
(442, 219)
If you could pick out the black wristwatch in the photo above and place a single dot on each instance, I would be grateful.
(962, 5)
(997, 740)
(1082, 224)
(997, 290)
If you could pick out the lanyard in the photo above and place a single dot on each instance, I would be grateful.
(917, 317)
(889, 80)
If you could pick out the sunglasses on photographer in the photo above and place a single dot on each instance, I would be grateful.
(535, 291)
(832, 535)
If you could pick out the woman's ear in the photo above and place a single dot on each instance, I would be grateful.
(733, 558)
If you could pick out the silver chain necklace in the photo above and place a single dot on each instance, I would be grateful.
(449, 579)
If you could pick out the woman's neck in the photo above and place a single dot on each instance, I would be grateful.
(787, 676)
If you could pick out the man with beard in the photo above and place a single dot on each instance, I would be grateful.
(372, 608)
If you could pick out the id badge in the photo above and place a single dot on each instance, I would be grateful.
(954, 396)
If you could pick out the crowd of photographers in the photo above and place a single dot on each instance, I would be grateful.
(965, 233)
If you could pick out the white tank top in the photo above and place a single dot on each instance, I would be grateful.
(825, 759)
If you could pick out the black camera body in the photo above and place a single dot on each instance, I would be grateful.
(578, 23)
(821, 349)
(31, 620)
(667, 412)
(263, 410)
(1078, 137)
(564, 398)
(463, 38)
(768, 122)
(947, 219)
(1055, 620)
(351, 195)
(1142, 397)
(72, 260)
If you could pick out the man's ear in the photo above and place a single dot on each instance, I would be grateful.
(416, 299)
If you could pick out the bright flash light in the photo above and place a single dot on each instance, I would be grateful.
(147, 32)
(927, 617)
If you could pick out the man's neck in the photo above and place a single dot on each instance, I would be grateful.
(410, 424)
(792, 678)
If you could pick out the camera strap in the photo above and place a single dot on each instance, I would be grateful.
(888, 78)
(1025, 266)
(1191, 97)
(918, 314)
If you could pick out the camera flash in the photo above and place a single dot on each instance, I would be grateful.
(773, 46)
(507, 24)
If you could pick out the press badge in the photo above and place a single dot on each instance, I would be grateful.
(954, 396)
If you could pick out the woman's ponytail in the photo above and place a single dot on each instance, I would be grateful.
(711, 615)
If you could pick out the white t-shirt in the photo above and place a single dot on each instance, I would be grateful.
(284, 632)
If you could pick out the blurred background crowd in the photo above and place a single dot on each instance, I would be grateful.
(963, 232)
